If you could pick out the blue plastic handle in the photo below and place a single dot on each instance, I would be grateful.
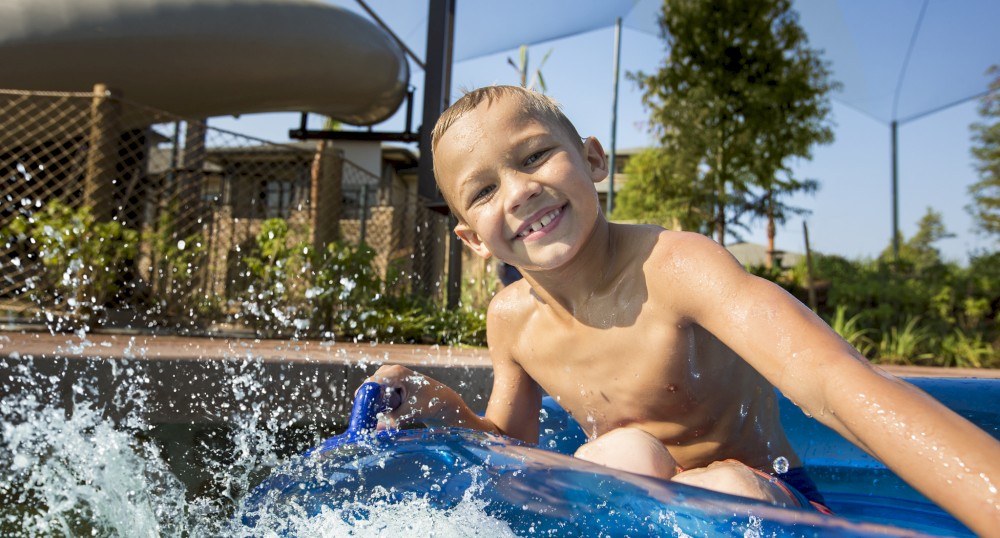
(370, 400)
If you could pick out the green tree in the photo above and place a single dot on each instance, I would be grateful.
(740, 93)
(919, 251)
(985, 206)
(665, 190)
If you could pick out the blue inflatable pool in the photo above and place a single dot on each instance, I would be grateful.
(542, 491)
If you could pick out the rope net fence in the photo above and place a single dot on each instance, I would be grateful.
(112, 213)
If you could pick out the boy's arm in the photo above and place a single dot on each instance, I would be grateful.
(942, 455)
(425, 399)
(516, 398)
(514, 403)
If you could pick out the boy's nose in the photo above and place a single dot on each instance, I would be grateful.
(520, 189)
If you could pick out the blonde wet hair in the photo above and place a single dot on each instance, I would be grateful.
(536, 105)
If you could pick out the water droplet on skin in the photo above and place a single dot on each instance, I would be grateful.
(986, 479)
(780, 465)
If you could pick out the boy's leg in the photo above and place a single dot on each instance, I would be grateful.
(632, 450)
(635, 451)
(735, 478)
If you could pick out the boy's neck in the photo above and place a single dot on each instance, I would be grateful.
(593, 270)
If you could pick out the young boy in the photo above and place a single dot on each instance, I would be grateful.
(658, 342)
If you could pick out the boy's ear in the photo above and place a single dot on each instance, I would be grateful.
(596, 158)
(472, 239)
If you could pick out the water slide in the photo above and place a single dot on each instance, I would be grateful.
(202, 58)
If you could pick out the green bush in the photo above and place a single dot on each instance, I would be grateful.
(175, 286)
(299, 290)
(927, 313)
(84, 261)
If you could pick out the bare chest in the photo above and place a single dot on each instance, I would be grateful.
(646, 373)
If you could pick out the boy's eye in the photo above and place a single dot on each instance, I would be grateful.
(534, 157)
(483, 193)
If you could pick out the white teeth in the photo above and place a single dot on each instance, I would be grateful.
(542, 222)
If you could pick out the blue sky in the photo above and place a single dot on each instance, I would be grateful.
(851, 213)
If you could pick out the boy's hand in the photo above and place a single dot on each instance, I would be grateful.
(422, 398)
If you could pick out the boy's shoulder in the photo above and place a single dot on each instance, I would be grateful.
(512, 302)
(662, 245)
(672, 261)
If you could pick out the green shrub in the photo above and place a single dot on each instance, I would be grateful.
(932, 313)
(175, 280)
(850, 329)
(907, 344)
(84, 262)
(297, 290)
(964, 351)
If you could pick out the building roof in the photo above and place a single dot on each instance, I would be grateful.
(754, 255)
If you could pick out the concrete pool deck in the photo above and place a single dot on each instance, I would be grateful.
(197, 380)
(205, 379)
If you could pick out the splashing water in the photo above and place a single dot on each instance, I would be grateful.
(72, 473)
(780, 465)
(380, 515)
(98, 469)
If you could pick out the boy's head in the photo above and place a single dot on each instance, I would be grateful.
(517, 176)
(536, 105)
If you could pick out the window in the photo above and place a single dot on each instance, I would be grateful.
(279, 198)
(358, 199)
(265, 198)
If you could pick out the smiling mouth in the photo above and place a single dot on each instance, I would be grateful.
(541, 223)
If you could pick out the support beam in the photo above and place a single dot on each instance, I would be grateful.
(614, 118)
(894, 128)
(437, 84)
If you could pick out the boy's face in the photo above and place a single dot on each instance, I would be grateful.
(523, 189)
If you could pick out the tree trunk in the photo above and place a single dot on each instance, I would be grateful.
(720, 222)
(720, 203)
(770, 229)
(325, 195)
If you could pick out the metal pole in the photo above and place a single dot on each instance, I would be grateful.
(454, 294)
(614, 117)
(364, 213)
(895, 193)
(437, 82)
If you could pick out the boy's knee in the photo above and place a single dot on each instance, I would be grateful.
(720, 472)
(735, 478)
(632, 450)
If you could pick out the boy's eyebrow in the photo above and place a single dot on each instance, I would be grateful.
(531, 136)
(468, 180)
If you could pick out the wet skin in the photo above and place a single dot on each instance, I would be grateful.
(611, 357)
(625, 326)
(645, 366)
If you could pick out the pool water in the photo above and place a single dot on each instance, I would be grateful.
(534, 492)
(103, 470)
